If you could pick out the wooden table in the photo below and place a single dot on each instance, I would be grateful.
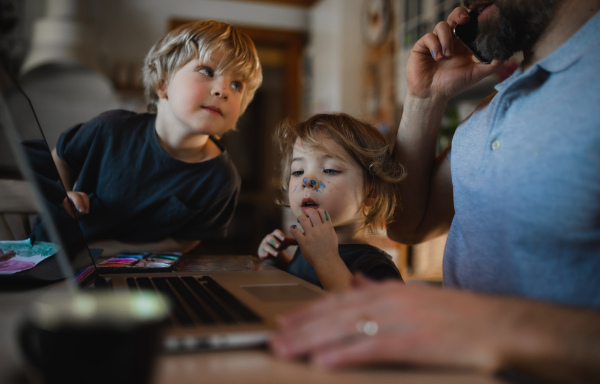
(235, 366)
(260, 367)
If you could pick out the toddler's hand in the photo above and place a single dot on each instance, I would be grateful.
(319, 241)
(274, 243)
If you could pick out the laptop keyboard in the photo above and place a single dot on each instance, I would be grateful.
(197, 300)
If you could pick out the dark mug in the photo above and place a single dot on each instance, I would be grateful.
(103, 337)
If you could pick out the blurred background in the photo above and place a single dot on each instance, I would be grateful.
(77, 58)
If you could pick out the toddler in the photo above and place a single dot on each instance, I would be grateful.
(340, 182)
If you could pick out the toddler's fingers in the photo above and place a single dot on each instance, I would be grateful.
(304, 221)
(266, 248)
(324, 215)
(315, 216)
(278, 234)
(287, 242)
(296, 232)
(273, 242)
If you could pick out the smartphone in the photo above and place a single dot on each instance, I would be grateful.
(467, 33)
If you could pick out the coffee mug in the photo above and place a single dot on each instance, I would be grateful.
(99, 337)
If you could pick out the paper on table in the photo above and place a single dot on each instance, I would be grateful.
(20, 255)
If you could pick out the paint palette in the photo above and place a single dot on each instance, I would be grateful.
(143, 260)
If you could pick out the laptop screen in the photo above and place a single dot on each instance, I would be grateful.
(55, 243)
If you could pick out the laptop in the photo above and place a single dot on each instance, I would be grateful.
(226, 302)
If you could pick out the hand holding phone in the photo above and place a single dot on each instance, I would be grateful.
(467, 33)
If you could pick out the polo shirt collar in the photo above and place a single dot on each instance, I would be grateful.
(584, 40)
(573, 49)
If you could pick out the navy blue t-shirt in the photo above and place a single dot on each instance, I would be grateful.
(367, 259)
(140, 192)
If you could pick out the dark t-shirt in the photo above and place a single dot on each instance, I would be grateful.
(140, 192)
(370, 261)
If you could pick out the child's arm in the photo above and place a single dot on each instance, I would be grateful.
(274, 245)
(170, 244)
(66, 173)
(80, 200)
(319, 245)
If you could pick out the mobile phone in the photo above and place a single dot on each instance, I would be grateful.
(467, 33)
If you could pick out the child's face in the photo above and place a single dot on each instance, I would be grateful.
(319, 179)
(197, 101)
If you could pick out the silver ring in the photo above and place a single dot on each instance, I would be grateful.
(367, 326)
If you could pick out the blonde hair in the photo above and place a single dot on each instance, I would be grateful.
(199, 40)
(365, 143)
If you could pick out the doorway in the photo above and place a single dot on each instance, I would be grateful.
(252, 148)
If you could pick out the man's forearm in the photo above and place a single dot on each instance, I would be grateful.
(416, 149)
(555, 343)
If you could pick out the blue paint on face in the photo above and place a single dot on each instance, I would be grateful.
(312, 182)
(322, 187)
(304, 180)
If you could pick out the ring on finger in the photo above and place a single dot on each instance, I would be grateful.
(367, 326)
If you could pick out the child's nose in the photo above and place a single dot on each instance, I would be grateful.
(219, 88)
(309, 183)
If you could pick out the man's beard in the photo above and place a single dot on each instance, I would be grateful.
(518, 26)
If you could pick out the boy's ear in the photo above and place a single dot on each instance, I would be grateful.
(370, 199)
(161, 91)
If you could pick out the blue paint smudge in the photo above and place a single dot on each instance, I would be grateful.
(322, 187)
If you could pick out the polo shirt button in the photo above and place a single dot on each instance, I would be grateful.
(496, 145)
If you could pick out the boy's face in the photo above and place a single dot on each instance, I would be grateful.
(198, 101)
(319, 179)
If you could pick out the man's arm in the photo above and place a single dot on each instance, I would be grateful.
(426, 206)
(438, 69)
(419, 325)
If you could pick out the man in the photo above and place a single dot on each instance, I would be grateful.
(519, 193)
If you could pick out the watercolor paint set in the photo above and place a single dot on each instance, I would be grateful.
(140, 261)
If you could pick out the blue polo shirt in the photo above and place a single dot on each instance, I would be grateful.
(526, 181)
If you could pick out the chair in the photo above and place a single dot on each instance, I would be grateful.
(17, 209)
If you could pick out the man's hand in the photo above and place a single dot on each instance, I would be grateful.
(440, 66)
(416, 325)
(419, 325)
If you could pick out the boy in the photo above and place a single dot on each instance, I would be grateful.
(162, 181)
